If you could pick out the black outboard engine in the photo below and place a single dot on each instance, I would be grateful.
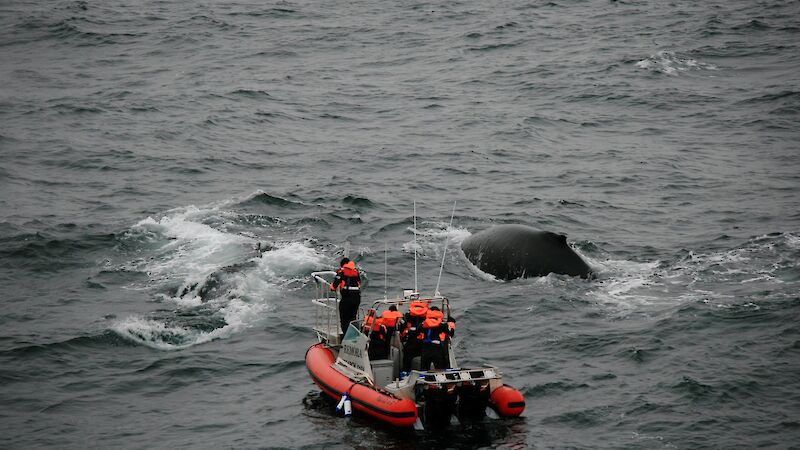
(472, 401)
(439, 406)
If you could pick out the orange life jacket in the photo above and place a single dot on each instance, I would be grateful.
(390, 318)
(372, 322)
(416, 314)
(430, 326)
(349, 269)
(418, 308)
(432, 319)
(349, 277)
(378, 331)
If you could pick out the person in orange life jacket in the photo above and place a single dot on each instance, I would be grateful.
(435, 336)
(378, 338)
(348, 281)
(412, 343)
(392, 319)
(380, 333)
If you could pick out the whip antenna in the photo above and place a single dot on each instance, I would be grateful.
(415, 247)
(444, 252)
(384, 272)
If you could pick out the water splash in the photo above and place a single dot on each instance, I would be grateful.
(672, 63)
(431, 236)
(213, 276)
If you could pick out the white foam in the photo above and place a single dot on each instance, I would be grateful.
(193, 250)
(290, 260)
(157, 334)
(251, 293)
(624, 283)
(671, 63)
(239, 315)
(793, 240)
(431, 239)
(189, 252)
(187, 301)
(619, 266)
(764, 277)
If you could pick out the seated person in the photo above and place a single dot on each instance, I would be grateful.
(378, 338)
(392, 319)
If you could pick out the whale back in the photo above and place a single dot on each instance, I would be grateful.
(519, 251)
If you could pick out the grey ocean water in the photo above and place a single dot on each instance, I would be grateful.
(148, 147)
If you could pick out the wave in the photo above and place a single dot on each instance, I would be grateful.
(275, 12)
(77, 345)
(47, 252)
(492, 47)
(784, 102)
(361, 202)
(251, 93)
(752, 25)
(261, 198)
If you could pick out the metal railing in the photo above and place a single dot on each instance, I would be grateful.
(327, 323)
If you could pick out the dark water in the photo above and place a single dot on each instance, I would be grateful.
(147, 147)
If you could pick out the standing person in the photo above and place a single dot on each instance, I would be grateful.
(412, 339)
(435, 339)
(348, 281)
(380, 334)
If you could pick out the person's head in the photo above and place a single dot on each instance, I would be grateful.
(344, 261)
(393, 308)
(434, 308)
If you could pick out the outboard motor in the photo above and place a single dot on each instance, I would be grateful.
(472, 402)
(439, 406)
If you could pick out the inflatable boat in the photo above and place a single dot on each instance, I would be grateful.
(389, 387)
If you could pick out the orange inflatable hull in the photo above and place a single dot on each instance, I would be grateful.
(380, 405)
(507, 401)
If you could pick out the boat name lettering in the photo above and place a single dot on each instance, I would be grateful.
(352, 351)
(355, 365)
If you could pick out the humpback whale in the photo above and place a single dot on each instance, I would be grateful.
(514, 251)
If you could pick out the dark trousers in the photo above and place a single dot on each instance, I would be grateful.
(348, 308)
(433, 353)
(411, 350)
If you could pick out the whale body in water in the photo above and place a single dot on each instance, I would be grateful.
(519, 251)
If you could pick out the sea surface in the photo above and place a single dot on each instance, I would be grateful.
(171, 171)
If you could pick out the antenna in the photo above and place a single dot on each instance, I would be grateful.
(346, 249)
(415, 247)
(384, 272)
(444, 252)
